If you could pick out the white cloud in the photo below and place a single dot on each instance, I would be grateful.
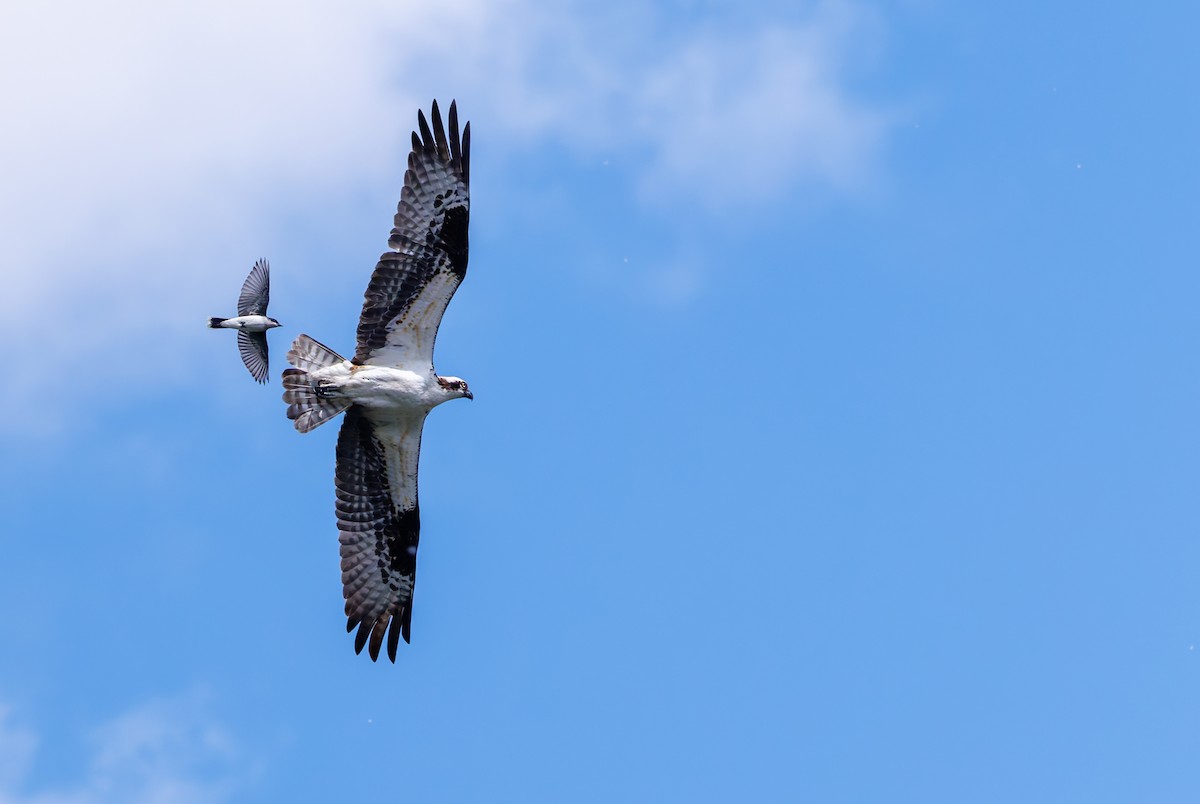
(163, 752)
(751, 116)
(719, 110)
(151, 150)
(17, 746)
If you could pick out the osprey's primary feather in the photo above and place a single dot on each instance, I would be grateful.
(390, 385)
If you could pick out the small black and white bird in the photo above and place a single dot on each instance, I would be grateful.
(252, 322)
(390, 385)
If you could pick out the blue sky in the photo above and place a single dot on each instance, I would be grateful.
(834, 436)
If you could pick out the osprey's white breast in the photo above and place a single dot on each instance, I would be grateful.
(381, 388)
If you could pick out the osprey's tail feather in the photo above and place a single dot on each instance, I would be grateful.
(213, 323)
(308, 354)
(309, 404)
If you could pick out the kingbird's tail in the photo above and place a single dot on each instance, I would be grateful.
(214, 323)
(309, 403)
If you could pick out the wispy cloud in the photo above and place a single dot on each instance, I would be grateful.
(162, 752)
(740, 120)
(17, 746)
(715, 110)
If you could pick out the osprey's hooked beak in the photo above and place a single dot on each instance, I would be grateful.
(469, 395)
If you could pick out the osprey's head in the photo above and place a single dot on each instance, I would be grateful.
(273, 323)
(456, 387)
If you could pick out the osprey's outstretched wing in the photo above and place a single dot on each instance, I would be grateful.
(256, 290)
(378, 526)
(412, 284)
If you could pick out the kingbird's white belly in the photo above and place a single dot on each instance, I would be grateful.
(249, 323)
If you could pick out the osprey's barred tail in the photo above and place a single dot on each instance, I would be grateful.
(307, 354)
(309, 406)
(214, 323)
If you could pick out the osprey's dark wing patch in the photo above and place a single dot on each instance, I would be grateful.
(412, 284)
(253, 348)
(256, 290)
(379, 525)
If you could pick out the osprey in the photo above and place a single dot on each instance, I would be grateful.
(252, 322)
(390, 385)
